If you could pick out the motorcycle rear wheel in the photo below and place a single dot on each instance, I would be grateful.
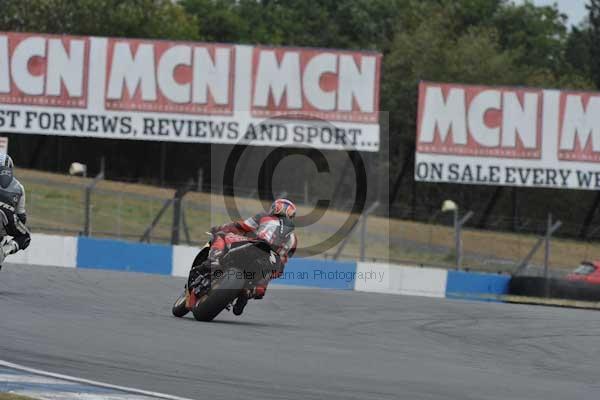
(223, 292)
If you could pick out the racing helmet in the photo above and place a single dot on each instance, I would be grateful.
(283, 208)
(6, 170)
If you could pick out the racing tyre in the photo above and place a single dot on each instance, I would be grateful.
(224, 291)
(179, 307)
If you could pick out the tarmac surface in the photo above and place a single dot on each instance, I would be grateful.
(117, 328)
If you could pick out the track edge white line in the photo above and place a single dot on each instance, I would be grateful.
(74, 379)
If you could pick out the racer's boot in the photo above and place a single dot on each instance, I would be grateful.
(7, 247)
(240, 303)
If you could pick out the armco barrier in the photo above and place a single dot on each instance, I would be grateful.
(92, 253)
(124, 256)
(476, 286)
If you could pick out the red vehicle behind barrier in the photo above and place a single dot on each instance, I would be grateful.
(588, 271)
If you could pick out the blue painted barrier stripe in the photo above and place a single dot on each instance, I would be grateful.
(124, 256)
(319, 273)
(476, 286)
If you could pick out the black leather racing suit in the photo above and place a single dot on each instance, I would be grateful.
(12, 205)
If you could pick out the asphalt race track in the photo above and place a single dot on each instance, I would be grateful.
(296, 344)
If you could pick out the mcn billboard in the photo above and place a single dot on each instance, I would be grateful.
(508, 136)
(189, 92)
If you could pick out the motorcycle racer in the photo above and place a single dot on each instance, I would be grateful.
(275, 227)
(12, 211)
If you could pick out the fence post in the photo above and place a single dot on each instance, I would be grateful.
(186, 229)
(550, 229)
(306, 192)
(457, 241)
(200, 184)
(177, 211)
(146, 235)
(87, 223)
(87, 228)
(363, 238)
(458, 224)
(363, 230)
(549, 232)
(547, 245)
(176, 217)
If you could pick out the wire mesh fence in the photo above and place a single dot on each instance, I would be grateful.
(128, 211)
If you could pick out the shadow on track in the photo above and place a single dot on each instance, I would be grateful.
(238, 323)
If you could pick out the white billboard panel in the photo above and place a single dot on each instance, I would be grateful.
(508, 136)
(189, 92)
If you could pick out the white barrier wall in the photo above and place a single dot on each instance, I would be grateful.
(394, 279)
(58, 251)
(82, 252)
(183, 256)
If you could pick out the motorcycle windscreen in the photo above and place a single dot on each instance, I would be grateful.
(6, 176)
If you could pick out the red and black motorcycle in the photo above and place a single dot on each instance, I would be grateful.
(211, 290)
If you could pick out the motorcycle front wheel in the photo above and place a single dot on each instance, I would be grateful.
(180, 307)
